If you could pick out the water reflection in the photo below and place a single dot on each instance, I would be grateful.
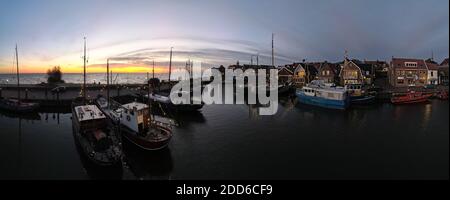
(148, 164)
(184, 120)
(310, 138)
(94, 171)
(426, 116)
(26, 116)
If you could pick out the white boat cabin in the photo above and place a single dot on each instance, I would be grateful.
(321, 90)
(133, 115)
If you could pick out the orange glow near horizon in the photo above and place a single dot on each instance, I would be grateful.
(95, 68)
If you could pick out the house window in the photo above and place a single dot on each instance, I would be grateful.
(400, 81)
(328, 73)
(411, 64)
(432, 73)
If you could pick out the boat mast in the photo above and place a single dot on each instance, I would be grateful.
(84, 70)
(170, 63)
(273, 63)
(148, 99)
(18, 80)
(107, 80)
(153, 69)
(257, 59)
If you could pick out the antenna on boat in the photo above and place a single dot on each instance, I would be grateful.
(18, 80)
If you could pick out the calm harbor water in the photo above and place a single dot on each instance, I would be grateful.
(232, 142)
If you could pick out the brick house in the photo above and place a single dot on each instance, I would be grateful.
(405, 72)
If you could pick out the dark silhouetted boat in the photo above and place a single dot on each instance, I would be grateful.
(16, 105)
(93, 132)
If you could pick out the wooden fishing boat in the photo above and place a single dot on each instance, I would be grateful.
(93, 133)
(410, 97)
(136, 122)
(98, 141)
(137, 126)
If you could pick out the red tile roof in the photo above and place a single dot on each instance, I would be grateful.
(432, 66)
(399, 63)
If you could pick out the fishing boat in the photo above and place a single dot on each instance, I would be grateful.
(16, 105)
(358, 95)
(319, 94)
(98, 141)
(410, 97)
(93, 132)
(136, 122)
(137, 125)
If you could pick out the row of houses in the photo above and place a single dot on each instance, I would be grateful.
(347, 72)
(400, 72)
(405, 72)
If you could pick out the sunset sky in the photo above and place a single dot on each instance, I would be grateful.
(50, 32)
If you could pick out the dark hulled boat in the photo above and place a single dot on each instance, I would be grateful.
(162, 98)
(16, 105)
(362, 100)
(93, 132)
(98, 140)
(359, 95)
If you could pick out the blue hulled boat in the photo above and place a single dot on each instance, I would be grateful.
(320, 94)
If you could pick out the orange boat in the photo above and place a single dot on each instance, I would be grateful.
(410, 97)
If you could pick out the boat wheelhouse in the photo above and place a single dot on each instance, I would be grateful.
(138, 126)
(318, 94)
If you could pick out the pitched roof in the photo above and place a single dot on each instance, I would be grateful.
(432, 65)
(286, 70)
(444, 62)
(334, 68)
(365, 67)
(400, 63)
